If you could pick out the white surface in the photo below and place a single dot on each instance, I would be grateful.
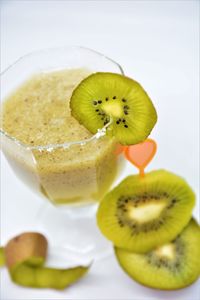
(157, 44)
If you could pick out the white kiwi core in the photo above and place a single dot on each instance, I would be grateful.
(113, 108)
(167, 251)
(146, 212)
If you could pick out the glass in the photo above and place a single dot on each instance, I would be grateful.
(63, 173)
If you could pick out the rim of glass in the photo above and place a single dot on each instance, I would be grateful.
(49, 147)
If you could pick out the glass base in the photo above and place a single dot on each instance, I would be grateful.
(72, 233)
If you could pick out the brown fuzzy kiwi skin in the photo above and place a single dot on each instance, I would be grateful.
(25, 246)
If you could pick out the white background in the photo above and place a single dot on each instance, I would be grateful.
(157, 43)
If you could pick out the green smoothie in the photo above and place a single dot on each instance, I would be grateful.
(38, 113)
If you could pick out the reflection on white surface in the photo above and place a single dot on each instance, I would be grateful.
(156, 42)
(72, 233)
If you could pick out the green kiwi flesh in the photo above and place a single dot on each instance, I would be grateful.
(105, 96)
(172, 266)
(2, 257)
(142, 213)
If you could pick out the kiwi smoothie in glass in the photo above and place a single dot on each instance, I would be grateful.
(38, 113)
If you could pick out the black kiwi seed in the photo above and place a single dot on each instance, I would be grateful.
(126, 107)
(95, 102)
(99, 101)
(125, 112)
(126, 126)
(124, 121)
(117, 122)
(97, 110)
(123, 100)
(121, 206)
(114, 97)
(107, 99)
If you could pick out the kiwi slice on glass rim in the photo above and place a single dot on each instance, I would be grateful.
(143, 213)
(172, 266)
(108, 97)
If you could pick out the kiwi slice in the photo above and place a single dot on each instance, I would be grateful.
(105, 96)
(172, 266)
(142, 213)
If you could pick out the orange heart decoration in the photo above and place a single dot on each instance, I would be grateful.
(119, 149)
(141, 154)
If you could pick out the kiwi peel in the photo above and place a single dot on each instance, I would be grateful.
(25, 256)
(172, 266)
(143, 213)
(2, 257)
(104, 98)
